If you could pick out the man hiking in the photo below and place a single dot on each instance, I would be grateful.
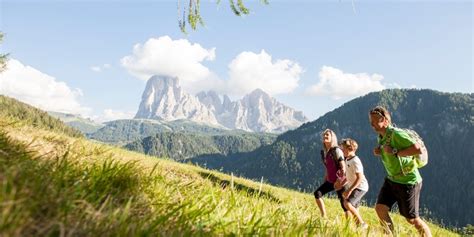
(403, 182)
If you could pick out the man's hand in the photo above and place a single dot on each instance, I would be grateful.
(377, 151)
(388, 149)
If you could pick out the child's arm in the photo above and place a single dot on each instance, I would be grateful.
(359, 178)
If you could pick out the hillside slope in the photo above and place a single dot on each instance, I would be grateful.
(27, 114)
(53, 184)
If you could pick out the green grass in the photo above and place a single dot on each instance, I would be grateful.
(55, 185)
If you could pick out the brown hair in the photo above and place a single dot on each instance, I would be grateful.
(381, 112)
(349, 144)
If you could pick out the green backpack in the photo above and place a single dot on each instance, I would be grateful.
(421, 160)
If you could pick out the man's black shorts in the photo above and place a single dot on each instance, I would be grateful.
(405, 195)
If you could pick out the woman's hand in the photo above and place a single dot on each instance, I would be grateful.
(346, 194)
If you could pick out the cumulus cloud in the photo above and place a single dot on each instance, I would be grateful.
(110, 114)
(337, 84)
(100, 68)
(165, 56)
(33, 87)
(249, 71)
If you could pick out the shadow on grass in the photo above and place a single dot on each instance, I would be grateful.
(240, 187)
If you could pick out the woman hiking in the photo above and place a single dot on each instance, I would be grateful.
(333, 159)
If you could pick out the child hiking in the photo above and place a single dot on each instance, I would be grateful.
(357, 185)
(403, 182)
(333, 159)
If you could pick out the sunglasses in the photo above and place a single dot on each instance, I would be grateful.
(378, 111)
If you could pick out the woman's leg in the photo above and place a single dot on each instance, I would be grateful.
(326, 187)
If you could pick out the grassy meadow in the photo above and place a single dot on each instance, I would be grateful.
(52, 184)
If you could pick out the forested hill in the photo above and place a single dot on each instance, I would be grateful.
(444, 120)
(124, 131)
(28, 115)
(181, 146)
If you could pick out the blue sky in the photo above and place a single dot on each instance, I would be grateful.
(78, 56)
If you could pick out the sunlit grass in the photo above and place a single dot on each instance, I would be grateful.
(55, 185)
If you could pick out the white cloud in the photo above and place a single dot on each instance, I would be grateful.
(33, 87)
(165, 56)
(110, 114)
(337, 84)
(100, 68)
(96, 69)
(249, 71)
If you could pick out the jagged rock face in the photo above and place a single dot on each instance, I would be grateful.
(257, 111)
(211, 100)
(164, 99)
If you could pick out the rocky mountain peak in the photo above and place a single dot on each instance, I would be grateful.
(163, 82)
(211, 100)
(164, 99)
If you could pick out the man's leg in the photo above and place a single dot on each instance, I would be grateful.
(409, 207)
(385, 201)
(421, 226)
(384, 217)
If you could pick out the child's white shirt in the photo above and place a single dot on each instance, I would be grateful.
(354, 165)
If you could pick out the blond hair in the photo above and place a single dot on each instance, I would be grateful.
(349, 144)
(333, 139)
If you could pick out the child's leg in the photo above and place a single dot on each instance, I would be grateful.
(355, 213)
(353, 202)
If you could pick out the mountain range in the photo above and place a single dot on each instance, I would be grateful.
(164, 99)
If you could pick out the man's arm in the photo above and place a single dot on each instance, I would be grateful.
(412, 150)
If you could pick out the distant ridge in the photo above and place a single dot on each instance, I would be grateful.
(84, 125)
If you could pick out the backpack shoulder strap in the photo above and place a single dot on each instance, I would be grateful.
(387, 143)
(334, 156)
(389, 136)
